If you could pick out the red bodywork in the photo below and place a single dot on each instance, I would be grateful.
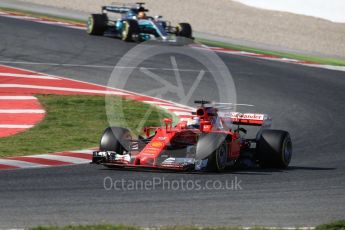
(181, 134)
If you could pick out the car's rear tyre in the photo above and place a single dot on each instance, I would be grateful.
(130, 31)
(184, 30)
(96, 24)
(274, 149)
(115, 139)
(213, 147)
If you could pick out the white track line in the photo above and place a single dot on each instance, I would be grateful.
(76, 27)
(62, 89)
(330, 67)
(94, 66)
(4, 126)
(17, 98)
(20, 164)
(20, 17)
(68, 159)
(57, 23)
(86, 151)
(28, 76)
(43, 21)
(22, 111)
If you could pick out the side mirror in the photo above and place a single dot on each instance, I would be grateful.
(168, 123)
(157, 17)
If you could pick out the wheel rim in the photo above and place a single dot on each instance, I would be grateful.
(89, 24)
(125, 31)
(178, 27)
(221, 157)
(287, 151)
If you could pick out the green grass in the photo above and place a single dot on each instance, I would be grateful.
(123, 227)
(76, 122)
(339, 225)
(314, 59)
(319, 60)
(89, 227)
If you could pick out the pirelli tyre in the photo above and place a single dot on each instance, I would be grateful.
(115, 139)
(96, 24)
(184, 30)
(274, 149)
(213, 147)
(130, 31)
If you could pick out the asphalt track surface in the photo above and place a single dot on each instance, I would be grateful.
(308, 102)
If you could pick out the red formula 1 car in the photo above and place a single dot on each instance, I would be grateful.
(213, 140)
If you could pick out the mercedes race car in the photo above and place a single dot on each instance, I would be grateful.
(212, 140)
(134, 24)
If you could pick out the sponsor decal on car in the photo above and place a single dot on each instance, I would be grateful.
(157, 144)
(147, 154)
(151, 150)
(251, 116)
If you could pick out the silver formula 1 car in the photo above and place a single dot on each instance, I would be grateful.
(134, 25)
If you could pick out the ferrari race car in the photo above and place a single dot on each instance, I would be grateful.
(134, 24)
(213, 140)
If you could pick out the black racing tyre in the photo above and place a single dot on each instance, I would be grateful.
(184, 30)
(130, 31)
(115, 139)
(218, 161)
(274, 149)
(96, 24)
(212, 146)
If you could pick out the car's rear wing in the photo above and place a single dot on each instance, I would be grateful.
(123, 8)
(115, 9)
(254, 119)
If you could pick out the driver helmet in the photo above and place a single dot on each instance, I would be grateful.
(141, 15)
(194, 123)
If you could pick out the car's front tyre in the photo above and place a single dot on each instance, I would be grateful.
(213, 148)
(115, 139)
(130, 31)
